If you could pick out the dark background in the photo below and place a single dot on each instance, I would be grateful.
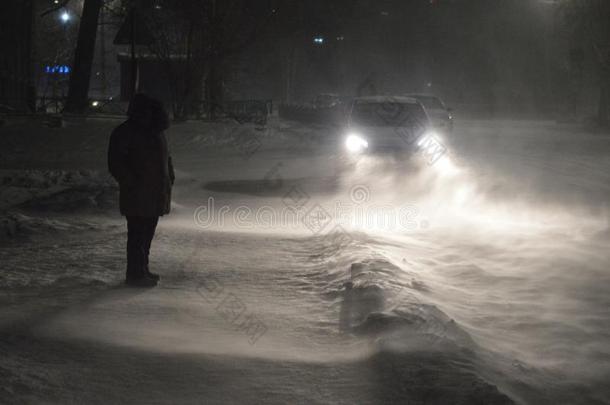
(492, 57)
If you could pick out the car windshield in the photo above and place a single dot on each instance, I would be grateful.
(430, 103)
(388, 114)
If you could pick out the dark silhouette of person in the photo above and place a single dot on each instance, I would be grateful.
(139, 160)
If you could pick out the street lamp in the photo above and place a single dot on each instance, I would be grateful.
(65, 17)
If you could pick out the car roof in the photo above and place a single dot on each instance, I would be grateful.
(386, 99)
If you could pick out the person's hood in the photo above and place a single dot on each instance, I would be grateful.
(139, 104)
(160, 118)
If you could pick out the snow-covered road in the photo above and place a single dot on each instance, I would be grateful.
(487, 269)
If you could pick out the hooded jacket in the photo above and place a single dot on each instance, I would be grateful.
(139, 160)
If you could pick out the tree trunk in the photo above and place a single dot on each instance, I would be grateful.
(602, 109)
(213, 83)
(16, 75)
(83, 58)
(214, 89)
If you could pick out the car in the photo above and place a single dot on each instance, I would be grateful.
(384, 124)
(439, 114)
(390, 126)
(326, 100)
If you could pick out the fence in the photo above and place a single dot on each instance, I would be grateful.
(310, 115)
(256, 111)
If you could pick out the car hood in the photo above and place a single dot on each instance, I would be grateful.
(438, 114)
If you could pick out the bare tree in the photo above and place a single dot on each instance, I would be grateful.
(178, 44)
(588, 23)
(195, 38)
(78, 89)
(16, 25)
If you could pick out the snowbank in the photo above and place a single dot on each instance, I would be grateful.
(28, 197)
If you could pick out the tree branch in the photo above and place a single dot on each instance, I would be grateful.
(56, 7)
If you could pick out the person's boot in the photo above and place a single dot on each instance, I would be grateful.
(154, 276)
(143, 281)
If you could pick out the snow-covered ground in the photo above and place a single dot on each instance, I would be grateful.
(481, 278)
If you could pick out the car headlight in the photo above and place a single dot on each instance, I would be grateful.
(355, 143)
(429, 138)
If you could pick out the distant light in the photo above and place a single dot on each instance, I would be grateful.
(445, 167)
(340, 38)
(318, 40)
(429, 84)
(61, 69)
(356, 144)
(65, 17)
(95, 103)
(56, 1)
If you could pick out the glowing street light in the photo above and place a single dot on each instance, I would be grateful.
(65, 17)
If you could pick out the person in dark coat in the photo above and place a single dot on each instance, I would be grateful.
(139, 160)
